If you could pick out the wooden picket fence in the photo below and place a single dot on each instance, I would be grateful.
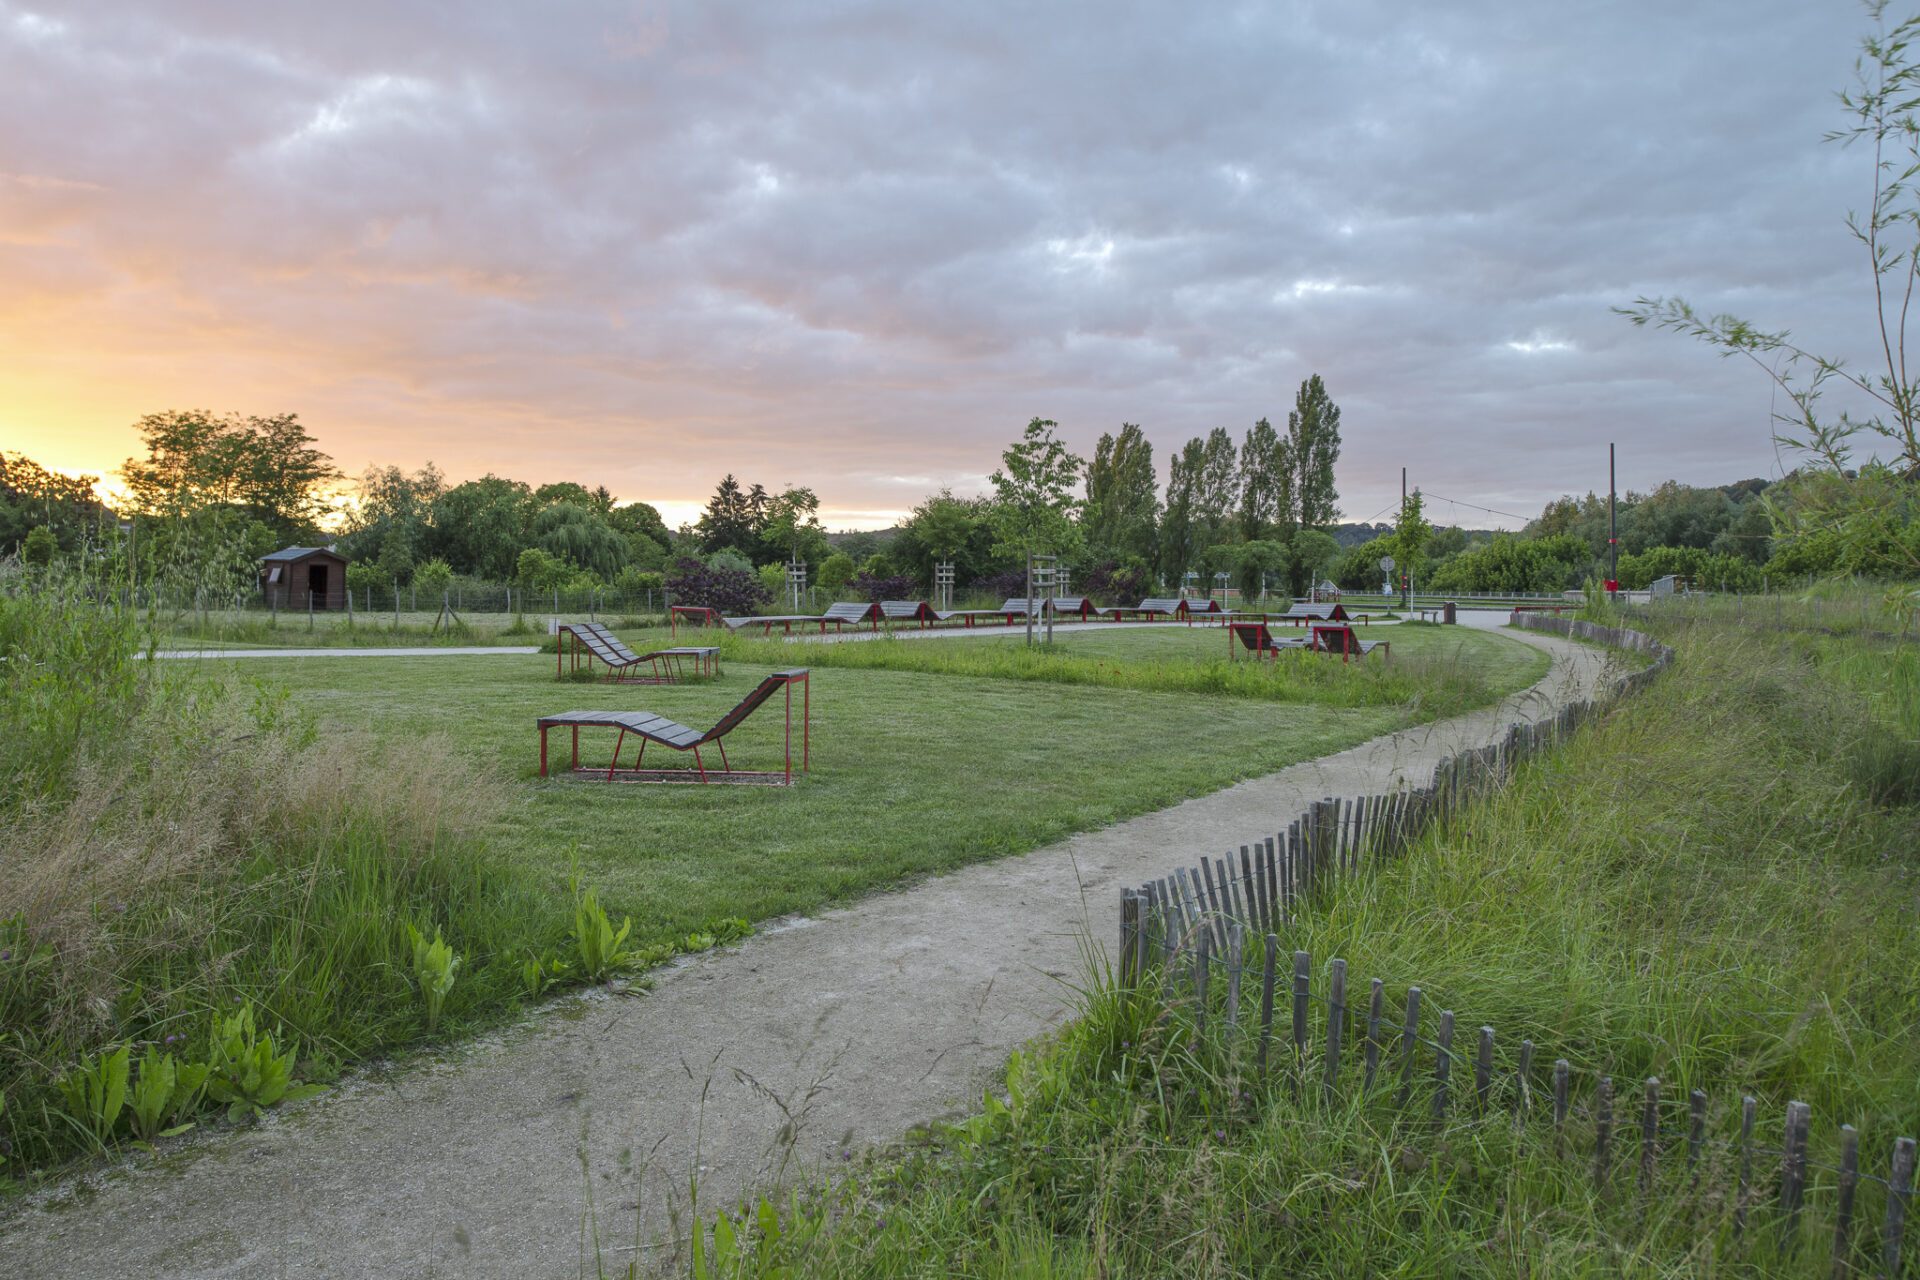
(1179, 929)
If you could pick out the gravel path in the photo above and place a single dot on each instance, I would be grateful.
(814, 1038)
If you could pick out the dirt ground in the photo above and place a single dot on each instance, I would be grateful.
(815, 1039)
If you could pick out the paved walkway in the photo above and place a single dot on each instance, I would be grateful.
(813, 1038)
(419, 651)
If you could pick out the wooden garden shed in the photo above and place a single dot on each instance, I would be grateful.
(292, 575)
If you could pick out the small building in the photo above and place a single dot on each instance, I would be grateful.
(303, 577)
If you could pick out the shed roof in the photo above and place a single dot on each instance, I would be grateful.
(288, 554)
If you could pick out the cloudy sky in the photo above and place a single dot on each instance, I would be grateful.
(858, 245)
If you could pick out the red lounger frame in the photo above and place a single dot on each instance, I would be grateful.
(649, 727)
(664, 666)
(1332, 638)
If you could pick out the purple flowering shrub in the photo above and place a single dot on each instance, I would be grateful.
(731, 591)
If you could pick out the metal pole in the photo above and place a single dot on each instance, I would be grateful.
(1029, 598)
(1613, 538)
(1406, 570)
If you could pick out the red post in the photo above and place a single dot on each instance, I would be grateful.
(543, 751)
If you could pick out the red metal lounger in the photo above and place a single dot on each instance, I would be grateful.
(1257, 639)
(1339, 638)
(675, 736)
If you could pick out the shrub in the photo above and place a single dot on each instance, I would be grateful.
(835, 572)
(732, 591)
(866, 586)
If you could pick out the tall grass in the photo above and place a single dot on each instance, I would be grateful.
(172, 851)
(1700, 886)
(1429, 685)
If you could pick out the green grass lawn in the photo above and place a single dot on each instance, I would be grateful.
(1712, 883)
(271, 834)
(913, 772)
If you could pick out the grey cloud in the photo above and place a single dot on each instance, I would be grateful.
(848, 242)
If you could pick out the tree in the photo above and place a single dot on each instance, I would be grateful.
(1884, 107)
(267, 468)
(1410, 534)
(392, 522)
(39, 547)
(943, 528)
(792, 527)
(835, 572)
(580, 538)
(1216, 489)
(1310, 553)
(1266, 483)
(538, 570)
(1312, 447)
(480, 527)
(1034, 505)
(1179, 543)
(640, 524)
(729, 520)
(31, 497)
(1121, 504)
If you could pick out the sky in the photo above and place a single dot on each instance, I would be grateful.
(856, 246)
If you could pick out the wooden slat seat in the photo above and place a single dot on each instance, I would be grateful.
(650, 727)
(1258, 639)
(1340, 638)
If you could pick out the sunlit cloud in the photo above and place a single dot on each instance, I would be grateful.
(644, 246)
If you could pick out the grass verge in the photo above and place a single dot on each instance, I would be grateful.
(1705, 886)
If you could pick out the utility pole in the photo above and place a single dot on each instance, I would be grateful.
(1406, 570)
(1613, 538)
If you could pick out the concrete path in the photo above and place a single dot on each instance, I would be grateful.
(422, 651)
(814, 1038)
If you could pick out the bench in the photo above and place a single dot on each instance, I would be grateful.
(1303, 613)
(1257, 639)
(1339, 638)
(674, 736)
(696, 615)
(909, 611)
(1153, 608)
(1007, 613)
(593, 641)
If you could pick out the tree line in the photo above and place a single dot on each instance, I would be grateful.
(214, 493)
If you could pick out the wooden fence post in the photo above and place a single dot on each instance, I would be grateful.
(1843, 1208)
(1602, 1134)
(1442, 1064)
(1409, 1040)
(1649, 1135)
(1523, 1083)
(1899, 1191)
(1266, 1000)
(1234, 936)
(1200, 957)
(1336, 1023)
(1743, 1191)
(1302, 992)
(1129, 935)
(1560, 1073)
(1793, 1173)
(1483, 1070)
(1696, 1130)
(1375, 1006)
